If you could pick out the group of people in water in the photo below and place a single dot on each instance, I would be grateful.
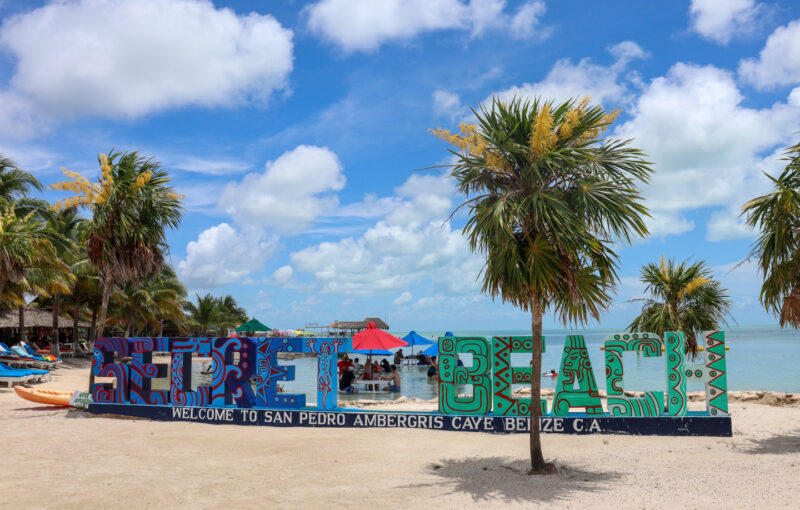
(352, 370)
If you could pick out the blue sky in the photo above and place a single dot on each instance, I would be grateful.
(296, 131)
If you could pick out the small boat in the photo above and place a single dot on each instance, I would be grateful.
(49, 397)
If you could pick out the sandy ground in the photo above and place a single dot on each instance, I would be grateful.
(58, 458)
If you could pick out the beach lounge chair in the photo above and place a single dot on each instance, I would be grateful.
(35, 353)
(12, 358)
(36, 361)
(36, 373)
(13, 377)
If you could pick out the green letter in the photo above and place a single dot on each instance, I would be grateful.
(576, 367)
(451, 375)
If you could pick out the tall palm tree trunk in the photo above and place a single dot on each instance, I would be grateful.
(129, 324)
(101, 326)
(93, 331)
(55, 348)
(23, 336)
(538, 465)
(75, 326)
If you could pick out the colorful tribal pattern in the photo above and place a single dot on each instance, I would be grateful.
(180, 388)
(103, 366)
(674, 343)
(326, 350)
(712, 373)
(576, 367)
(142, 370)
(270, 372)
(451, 375)
(618, 405)
(231, 382)
(505, 376)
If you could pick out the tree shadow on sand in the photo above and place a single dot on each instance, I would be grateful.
(485, 478)
(782, 444)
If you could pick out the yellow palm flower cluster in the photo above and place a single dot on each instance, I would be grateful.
(8, 217)
(601, 127)
(468, 141)
(692, 286)
(543, 138)
(663, 267)
(546, 132)
(141, 181)
(88, 193)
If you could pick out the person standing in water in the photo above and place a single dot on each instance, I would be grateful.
(394, 380)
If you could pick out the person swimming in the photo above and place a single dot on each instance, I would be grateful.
(552, 373)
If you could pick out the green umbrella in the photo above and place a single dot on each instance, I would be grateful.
(253, 325)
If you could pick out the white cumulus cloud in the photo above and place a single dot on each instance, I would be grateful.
(722, 20)
(364, 25)
(129, 58)
(568, 80)
(412, 244)
(223, 255)
(292, 191)
(779, 61)
(707, 147)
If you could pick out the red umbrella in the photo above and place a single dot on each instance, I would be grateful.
(373, 338)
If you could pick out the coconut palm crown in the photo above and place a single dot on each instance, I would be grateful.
(546, 199)
(132, 208)
(683, 297)
(776, 217)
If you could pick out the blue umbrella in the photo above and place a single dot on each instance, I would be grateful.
(433, 350)
(413, 339)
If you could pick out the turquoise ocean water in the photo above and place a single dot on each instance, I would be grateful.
(760, 358)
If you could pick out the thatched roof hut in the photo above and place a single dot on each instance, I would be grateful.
(37, 318)
(349, 328)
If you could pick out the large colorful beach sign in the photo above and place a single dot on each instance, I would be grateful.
(245, 373)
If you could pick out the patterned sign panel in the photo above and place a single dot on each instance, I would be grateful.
(270, 372)
(505, 376)
(713, 373)
(647, 344)
(576, 369)
(451, 376)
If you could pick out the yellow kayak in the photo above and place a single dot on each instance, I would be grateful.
(49, 397)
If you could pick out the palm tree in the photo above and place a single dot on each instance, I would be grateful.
(776, 216)
(29, 261)
(148, 305)
(230, 314)
(132, 209)
(683, 297)
(15, 184)
(546, 198)
(202, 315)
(65, 229)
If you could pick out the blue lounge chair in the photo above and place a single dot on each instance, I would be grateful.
(27, 371)
(36, 360)
(15, 377)
(30, 350)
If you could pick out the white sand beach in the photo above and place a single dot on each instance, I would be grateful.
(59, 458)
